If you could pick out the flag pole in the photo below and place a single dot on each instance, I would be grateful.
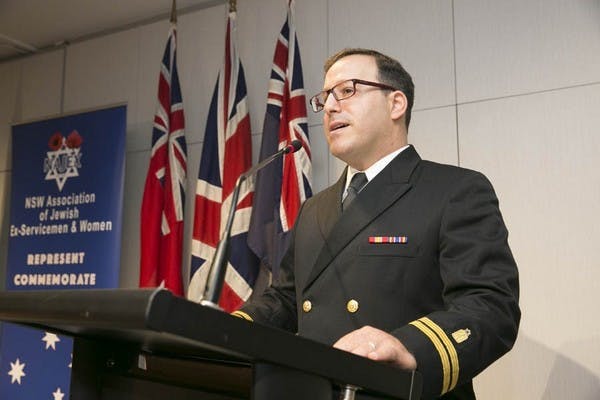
(174, 12)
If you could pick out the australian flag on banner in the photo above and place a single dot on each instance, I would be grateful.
(40, 370)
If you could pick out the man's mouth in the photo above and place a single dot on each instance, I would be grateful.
(337, 125)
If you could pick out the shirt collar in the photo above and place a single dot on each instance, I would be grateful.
(374, 169)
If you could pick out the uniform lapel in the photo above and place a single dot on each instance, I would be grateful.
(339, 229)
(330, 209)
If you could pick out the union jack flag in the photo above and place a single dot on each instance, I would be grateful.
(226, 154)
(284, 185)
(164, 191)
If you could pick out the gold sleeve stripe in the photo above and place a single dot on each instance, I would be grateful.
(441, 351)
(242, 314)
(449, 347)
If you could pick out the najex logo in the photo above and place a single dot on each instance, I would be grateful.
(64, 158)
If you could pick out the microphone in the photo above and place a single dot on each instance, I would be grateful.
(218, 267)
(290, 148)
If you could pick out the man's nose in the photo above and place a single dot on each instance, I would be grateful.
(331, 104)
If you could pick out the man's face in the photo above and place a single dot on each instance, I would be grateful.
(359, 129)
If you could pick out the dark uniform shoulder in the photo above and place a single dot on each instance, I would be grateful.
(446, 174)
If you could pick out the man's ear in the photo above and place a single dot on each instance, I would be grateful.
(398, 104)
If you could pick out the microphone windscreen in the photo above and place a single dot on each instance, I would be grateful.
(296, 145)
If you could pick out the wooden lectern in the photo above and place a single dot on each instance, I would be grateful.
(148, 344)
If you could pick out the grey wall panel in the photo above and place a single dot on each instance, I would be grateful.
(103, 71)
(152, 42)
(201, 37)
(433, 133)
(514, 46)
(10, 107)
(541, 153)
(135, 175)
(41, 87)
(417, 33)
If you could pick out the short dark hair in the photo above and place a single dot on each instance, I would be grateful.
(390, 72)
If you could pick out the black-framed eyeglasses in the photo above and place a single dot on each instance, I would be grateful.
(342, 91)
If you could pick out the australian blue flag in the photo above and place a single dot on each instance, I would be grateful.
(285, 184)
(40, 370)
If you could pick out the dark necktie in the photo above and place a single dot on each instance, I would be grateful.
(356, 184)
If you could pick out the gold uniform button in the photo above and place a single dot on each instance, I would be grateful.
(352, 306)
(306, 306)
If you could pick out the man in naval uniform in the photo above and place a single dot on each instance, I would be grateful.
(402, 260)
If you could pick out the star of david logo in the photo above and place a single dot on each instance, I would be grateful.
(64, 159)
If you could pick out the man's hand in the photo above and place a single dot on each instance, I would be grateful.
(377, 345)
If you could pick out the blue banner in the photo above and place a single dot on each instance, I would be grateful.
(66, 202)
(65, 233)
(35, 364)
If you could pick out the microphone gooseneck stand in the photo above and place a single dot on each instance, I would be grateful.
(348, 392)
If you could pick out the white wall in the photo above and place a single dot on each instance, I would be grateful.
(511, 88)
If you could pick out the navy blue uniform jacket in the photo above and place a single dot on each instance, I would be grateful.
(447, 289)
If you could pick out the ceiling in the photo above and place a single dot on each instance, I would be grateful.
(30, 26)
